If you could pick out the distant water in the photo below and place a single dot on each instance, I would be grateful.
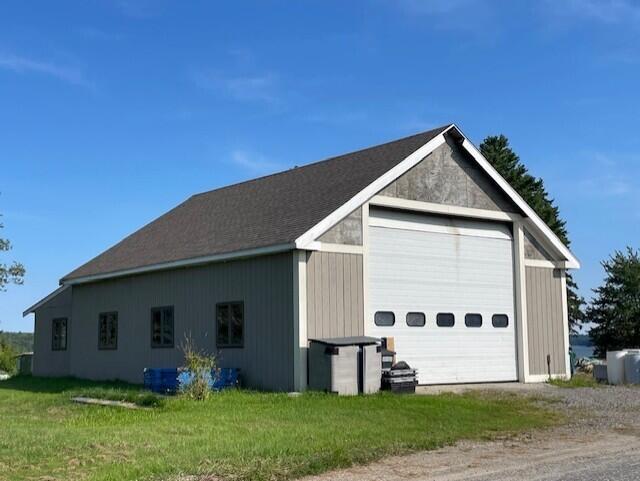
(583, 351)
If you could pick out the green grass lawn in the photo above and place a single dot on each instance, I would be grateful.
(236, 434)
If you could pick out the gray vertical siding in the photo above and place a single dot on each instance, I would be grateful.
(334, 295)
(545, 320)
(47, 362)
(263, 283)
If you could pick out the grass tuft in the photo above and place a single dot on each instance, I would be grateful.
(578, 380)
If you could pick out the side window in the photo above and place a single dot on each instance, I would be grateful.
(384, 318)
(108, 330)
(445, 319)
(415, 319)
(473, 320)
(162, 326)
(59, 334)
(500, 320)
(230, 324)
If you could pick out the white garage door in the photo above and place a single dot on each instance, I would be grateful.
(427, 270)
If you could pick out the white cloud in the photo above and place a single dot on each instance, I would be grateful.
(21, 65)
(258, 87)
(603, 11)
(140, 8)
(469, 16)
(98, 34)
(434, 7)
(608, 11)
(254, 163)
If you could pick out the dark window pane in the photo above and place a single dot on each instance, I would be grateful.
(445, 319)
(473, 320)
(384, 318)
(62, 334)
(416, 319)
(162, 326)
(59, 334)
(167, 327)
(500, 320)
(156, 327)
(222, 319)
(108, 330)
(237, 320)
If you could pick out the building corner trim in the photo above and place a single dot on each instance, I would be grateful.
(300, 341)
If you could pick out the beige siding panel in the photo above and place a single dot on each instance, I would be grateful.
(545, 320)
(264, 284)
(47, 362)
(334, 295)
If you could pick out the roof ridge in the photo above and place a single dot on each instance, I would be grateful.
(328, 159)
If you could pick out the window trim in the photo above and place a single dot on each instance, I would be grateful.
(66, 331)
(230, 346)
(499, 327)
(115, 346)
(424, 319)
(173, 327)
(445, 314)
(466, 322)
(384, 325)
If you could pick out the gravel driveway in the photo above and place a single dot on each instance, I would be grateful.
(601, 442)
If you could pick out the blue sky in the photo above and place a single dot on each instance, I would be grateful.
(112, 112)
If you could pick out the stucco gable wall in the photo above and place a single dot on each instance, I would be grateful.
(450, 176)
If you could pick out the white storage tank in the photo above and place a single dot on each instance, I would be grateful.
(632, 367)
(615, 366)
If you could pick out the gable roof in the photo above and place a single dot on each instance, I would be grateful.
(272, 211)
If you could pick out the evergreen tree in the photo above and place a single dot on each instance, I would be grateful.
(497, 151)
(616, 307)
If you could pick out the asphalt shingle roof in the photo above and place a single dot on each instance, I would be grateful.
(267, 211)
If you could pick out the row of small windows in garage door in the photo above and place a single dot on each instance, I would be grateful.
(443, 319)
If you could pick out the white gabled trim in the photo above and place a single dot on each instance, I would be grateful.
(565, 322)
(372, 189)
(572, 261)
(413, 159)
(452, 210)
(365, 268)
(300, 341)
(337, 248)
(544, 264)
(44, 300)
(441, 225)
(521, 303)
(184, 263)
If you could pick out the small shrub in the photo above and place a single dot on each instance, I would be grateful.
(200, 365)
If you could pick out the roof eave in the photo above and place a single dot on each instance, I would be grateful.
(273, 249)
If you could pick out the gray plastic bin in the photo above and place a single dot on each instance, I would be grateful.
(345, 366)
